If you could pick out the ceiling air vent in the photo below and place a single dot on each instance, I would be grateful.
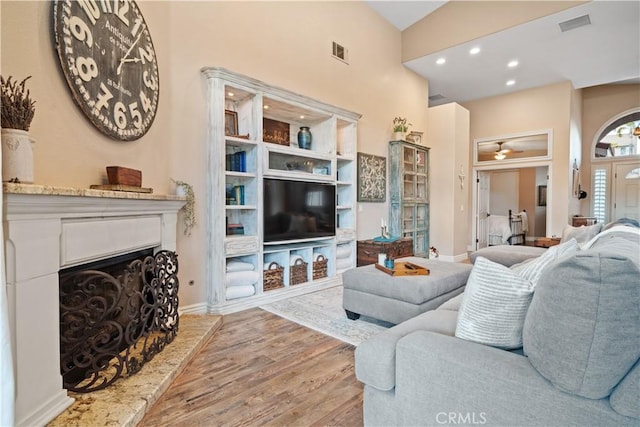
(436, 97)
(574, 23)
(340, 52)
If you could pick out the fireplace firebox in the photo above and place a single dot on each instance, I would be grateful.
(115, 315)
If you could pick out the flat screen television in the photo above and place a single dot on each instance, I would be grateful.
(297, 210)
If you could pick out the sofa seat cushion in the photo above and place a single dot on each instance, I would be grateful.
(507, 255)
(376, 357)
(583, 326)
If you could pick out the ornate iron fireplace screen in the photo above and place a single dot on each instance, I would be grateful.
(114, 320)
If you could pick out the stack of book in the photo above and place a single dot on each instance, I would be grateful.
(234, 229)
(236, 162)
(235, 194)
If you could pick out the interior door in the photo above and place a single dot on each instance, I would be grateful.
(483, 191)
(626, 194)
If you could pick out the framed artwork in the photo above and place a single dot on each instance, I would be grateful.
(230, 123)
(372, 178)
(542, 195)
(415, 137)
(275, 131)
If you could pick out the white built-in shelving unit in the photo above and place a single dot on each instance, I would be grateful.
(331, 160)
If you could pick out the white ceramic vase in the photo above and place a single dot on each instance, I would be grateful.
(17, 156)
(398, 136)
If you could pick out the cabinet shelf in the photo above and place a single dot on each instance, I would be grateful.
(240, 174)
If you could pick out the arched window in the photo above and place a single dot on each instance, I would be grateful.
(620, 138)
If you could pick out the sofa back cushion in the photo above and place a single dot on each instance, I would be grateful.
(583, 327)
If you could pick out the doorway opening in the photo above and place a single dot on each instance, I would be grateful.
(515, 188)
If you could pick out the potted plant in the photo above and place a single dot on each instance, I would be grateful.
(18, 110)
(188, 210)
(400, 128)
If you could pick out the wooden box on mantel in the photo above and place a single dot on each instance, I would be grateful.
(118, 175)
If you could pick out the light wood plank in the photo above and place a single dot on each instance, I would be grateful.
(261, 369)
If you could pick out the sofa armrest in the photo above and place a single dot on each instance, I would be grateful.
(376, 357)
(445, 379)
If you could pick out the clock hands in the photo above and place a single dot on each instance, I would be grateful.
(124, 58)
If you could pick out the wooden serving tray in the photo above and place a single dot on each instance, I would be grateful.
(404, 269)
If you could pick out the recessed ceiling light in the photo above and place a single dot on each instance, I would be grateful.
(513, 63)
(266, 107)
(511, 82)
(474, 50)
(441, 61)
(230, 93)
(302, 117)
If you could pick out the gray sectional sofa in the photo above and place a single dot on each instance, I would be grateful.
(579, 364)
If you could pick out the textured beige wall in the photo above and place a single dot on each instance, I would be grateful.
(287, 44)
(448, 137)
(460, 21)
(548, 107)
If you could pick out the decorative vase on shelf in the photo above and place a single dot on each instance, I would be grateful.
(398, 136)
(17, 156)
(304, 138)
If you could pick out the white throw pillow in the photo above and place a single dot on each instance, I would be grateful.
(532, 270)
(582, 234)
(241, 278)
(494, 306)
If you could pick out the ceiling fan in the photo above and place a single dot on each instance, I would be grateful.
(501, 153)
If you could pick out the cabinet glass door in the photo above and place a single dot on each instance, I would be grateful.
(407, 217)
(408, 155)
(421, 187)
(421, 161)
(421, 217)
(409, 185)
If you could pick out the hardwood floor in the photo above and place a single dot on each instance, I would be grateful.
(260, 369)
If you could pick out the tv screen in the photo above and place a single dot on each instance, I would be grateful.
(296, 210)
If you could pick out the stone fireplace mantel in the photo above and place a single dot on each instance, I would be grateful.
(50, 228)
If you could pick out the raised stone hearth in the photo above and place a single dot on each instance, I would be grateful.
(125, 402)
(51, 228)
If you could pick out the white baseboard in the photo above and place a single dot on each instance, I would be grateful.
(200, 308)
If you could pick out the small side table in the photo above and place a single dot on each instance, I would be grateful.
(368, 250)
(546, 242)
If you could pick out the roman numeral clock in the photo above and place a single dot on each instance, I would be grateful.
(109, 62)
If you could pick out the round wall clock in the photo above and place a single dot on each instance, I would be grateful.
(109, 62)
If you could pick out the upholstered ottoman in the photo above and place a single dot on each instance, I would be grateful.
(373, 293)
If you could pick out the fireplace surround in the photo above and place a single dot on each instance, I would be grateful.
(48, 229)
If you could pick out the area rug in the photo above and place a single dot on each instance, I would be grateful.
(322, 311)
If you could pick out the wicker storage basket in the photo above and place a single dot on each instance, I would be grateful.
(298, 273)
(320, 267)
(273, 277)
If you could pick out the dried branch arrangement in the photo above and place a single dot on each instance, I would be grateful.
(189, 218)
(18, 108)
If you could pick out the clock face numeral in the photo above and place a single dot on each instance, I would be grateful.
(80, 30)
(87, 68)
(109, 62)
